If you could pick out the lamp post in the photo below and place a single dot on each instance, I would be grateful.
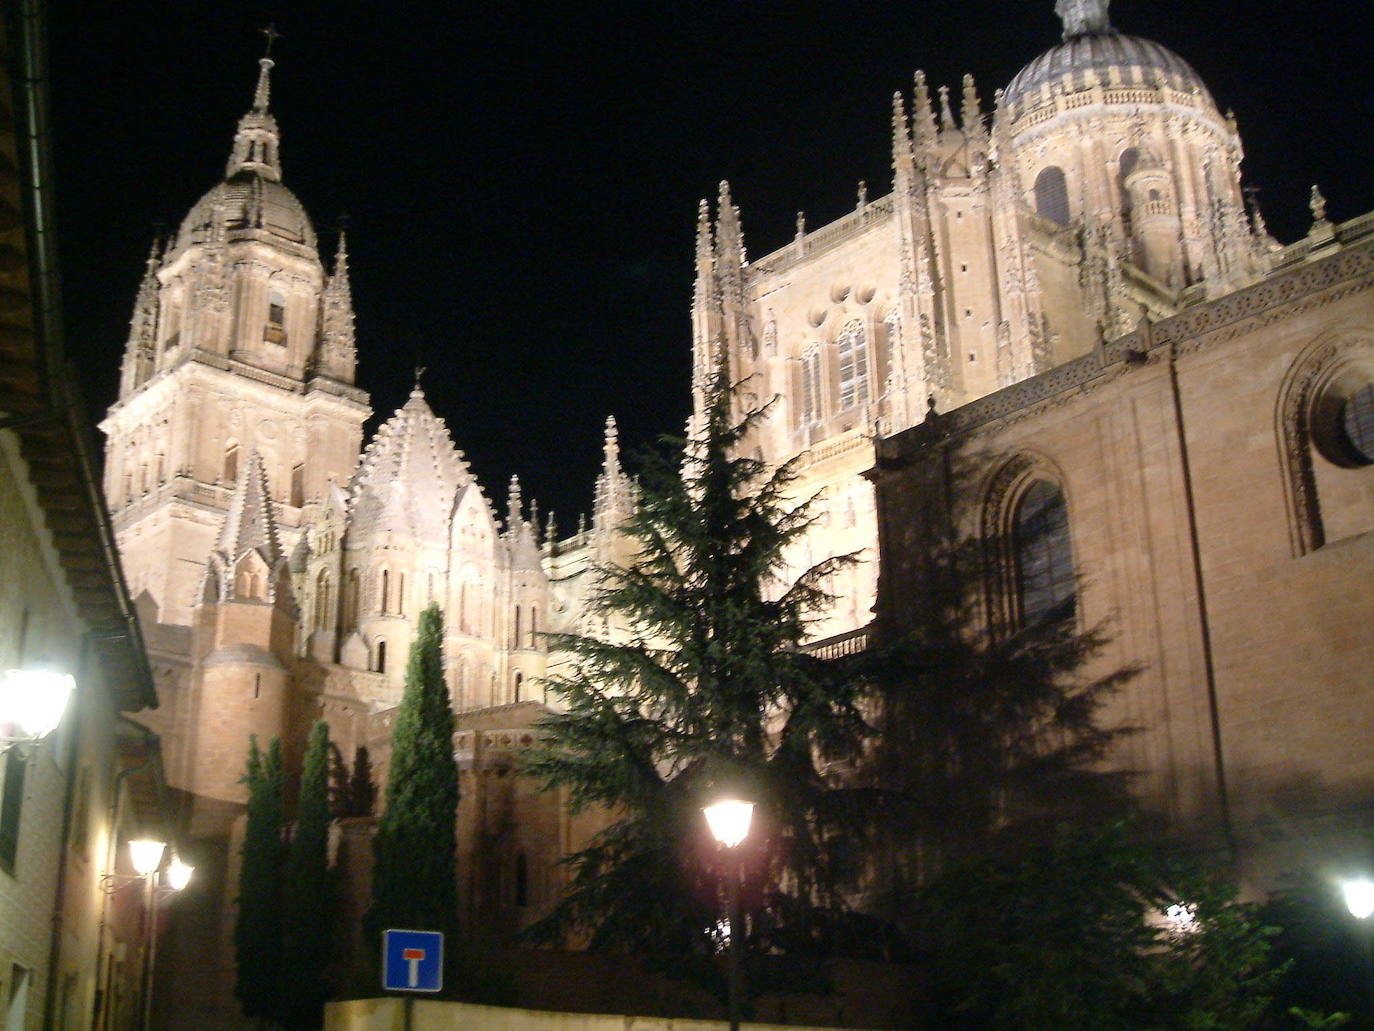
(1359, 900)
(729, 821)
(145, 856)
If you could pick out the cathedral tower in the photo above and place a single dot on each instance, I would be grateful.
(240, 342)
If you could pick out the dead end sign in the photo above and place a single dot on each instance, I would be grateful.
(414, 961)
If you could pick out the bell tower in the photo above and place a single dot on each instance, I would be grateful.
(240, 342)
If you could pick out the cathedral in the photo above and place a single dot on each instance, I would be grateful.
(1036, 253)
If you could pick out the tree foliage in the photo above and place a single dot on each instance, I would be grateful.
(1072, 932)
(415, 875)
(307, 907)
(258, 933)
(990, 735)
(697, 685)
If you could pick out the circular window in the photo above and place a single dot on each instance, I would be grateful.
(1357, 422)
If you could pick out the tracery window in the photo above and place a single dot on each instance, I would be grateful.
(811, 385)
(1046, 585)
(323, 599)
(1052, 195)
(852, 350)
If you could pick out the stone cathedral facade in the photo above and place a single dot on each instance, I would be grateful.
(280, 565)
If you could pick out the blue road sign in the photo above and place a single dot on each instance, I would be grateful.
(414, 961)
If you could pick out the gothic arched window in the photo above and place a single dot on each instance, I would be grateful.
(384, 600)
(352, 596)
(1125, 165)
(323, 593)
(1052, 195)
(811, 386)
(381, 656)
(1047, 588)
(519, 683)
(852, 350)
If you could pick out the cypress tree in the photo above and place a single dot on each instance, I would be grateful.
(257, 935)
(414, 882)
(707, 689)
(306, 906)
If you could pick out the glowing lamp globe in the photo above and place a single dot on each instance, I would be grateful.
(146, 855)
(32, 701)
(729, 820)
(178, 873)
(1359, 897)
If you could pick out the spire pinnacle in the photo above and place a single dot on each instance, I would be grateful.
(1083, 17)
(515, 506)
(946, 115)
(923, 116)
(971, 114)
(263, 92)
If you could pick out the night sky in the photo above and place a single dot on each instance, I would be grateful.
(520, 184)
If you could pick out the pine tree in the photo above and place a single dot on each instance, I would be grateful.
(414, 881)
(306, 906)
(706, 689)
(257, 935)
(362, 791)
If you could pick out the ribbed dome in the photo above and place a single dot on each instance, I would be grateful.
(249, 203)
(409, 476)
(1084, 61)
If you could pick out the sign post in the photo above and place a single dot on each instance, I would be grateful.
(412, 961)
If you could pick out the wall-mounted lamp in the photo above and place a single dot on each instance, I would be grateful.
(32, 702)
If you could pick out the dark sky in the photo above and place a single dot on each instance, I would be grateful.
(521, 183)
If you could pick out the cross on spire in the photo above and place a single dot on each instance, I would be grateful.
(272, 36)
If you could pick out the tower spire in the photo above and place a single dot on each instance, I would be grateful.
(257, 141)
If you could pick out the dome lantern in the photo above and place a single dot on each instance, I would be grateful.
(1083, 17)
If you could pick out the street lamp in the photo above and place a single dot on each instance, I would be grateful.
(729, 821)
(1359, 900)
(32, 702)
(145, 856)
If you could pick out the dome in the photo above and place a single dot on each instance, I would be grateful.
(408, 477)
(253, 203)
(1092, 54)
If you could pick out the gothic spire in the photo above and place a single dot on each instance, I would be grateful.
(257, 141)
(1083, 17)
(902, 158)
(946, 115)
(614, 490)
(705, 258)
(337, 329)
(971, 114)
(249, 525)
(729, 235)
(515, 507)
(922, 114)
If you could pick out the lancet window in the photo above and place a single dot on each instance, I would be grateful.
(852, 350)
